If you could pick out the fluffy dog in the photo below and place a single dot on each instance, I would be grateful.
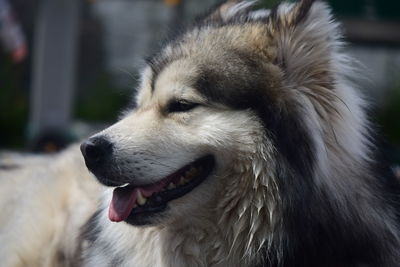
(248, 146)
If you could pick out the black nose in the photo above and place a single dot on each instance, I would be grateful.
(96, 149)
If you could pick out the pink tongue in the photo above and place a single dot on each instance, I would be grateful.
(124, 199)
(122, 203)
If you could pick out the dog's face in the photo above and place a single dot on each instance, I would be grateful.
(207, 101)
(172, 150)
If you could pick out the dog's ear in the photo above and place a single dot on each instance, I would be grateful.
(307, 40)
(290, 15)
(227, 11)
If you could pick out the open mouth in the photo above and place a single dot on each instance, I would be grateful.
(130, 200)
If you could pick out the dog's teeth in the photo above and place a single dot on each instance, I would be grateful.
(182, 180)
(189, 174)
(141, 200)
(171, 186)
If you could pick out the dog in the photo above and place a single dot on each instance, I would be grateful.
(44, 200)
(249, 146)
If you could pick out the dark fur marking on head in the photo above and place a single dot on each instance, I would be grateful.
(250, 89)
(212, 18)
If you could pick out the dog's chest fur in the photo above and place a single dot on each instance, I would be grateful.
(160, 246)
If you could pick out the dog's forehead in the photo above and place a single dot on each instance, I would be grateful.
(219, 67)
(175, 81)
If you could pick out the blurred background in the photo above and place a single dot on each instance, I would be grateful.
(69, 67)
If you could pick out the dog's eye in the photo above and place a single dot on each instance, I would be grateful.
(181, 106)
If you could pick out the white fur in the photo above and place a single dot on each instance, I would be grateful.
(44, 203)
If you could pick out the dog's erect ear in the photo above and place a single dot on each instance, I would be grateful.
(306, 39)
(290, 15)
(231, 10)
(228, 10)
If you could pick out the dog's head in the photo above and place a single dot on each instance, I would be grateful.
(231, 90)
